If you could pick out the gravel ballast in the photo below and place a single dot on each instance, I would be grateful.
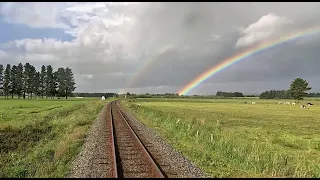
(94, 158)
(183, 167)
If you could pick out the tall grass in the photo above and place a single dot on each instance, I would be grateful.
(230, 142)
(43, 143)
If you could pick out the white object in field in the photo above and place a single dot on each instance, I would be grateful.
(293, 103)
(79, 97)
(103, 98)
(253, 102)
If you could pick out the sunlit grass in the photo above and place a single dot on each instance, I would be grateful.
(40, 138)
(228, 138)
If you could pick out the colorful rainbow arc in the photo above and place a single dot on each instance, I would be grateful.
(245, 54)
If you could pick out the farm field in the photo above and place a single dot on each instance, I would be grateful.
(228, 138)
(40, 138)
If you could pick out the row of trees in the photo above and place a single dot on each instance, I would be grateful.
(106, 95)
(275, 94)
(229, 94)
(22, 80)
(313, 95)
(296, 91)
(176, 95)
(148, 95)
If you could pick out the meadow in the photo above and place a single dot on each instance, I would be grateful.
(40, 138)
(227, 138)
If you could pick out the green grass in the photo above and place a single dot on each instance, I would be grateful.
(40, 138)
(228, 138)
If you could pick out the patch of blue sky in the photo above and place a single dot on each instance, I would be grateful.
(13, 31)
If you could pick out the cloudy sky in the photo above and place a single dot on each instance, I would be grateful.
(159, 47)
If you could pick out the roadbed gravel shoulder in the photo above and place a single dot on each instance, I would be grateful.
(86, 164)
(95, 148)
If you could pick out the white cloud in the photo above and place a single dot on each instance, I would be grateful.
(39, 14)
(112, 41)
(215, 37)
(88, 76)
(3, 54)
(87, 7)
(264, 28)
(165, 49)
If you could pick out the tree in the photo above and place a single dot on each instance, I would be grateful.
(7, 81)
(1, 77)
(36, 85)
(298, 88)
(19, 80)
(61, 79)
(26, 80)
(54, 84)
(70, 83)
(43, 81)
(13, 89)
(32, 75)
(49, 81)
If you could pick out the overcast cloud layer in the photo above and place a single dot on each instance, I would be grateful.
(109, 42)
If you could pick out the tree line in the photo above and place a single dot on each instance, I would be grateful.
(229, 94)
(106, 95)
(148, 95)
(176, 95)
(297, 91)
(275, 94)
(313, 95)
(25, 80)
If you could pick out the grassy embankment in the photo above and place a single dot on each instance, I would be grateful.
(40, 138)
(228, 138)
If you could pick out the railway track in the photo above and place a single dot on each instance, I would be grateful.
(130, 158)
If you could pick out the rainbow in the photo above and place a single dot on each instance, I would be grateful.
(245, 54)
(141, 70)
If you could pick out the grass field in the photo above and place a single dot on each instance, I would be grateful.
(40, 138)
(228, 138)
